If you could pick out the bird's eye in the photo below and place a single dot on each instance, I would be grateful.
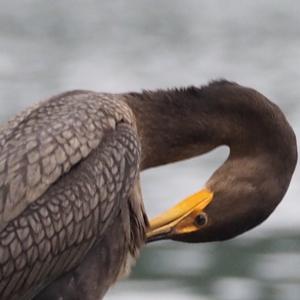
(201, 219)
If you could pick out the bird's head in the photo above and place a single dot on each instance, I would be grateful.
(239, 196)
(210, 216)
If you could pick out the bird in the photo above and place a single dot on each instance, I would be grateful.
(72, 218)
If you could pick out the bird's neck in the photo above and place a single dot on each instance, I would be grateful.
(179, 124)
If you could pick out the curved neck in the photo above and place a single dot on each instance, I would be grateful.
(179, 124)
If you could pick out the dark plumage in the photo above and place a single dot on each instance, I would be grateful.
(71, 210)
(69, 213)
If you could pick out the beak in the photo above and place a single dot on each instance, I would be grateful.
(164, 225)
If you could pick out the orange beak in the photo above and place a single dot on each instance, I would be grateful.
(180, 218)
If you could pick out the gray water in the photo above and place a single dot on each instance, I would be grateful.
(51, 46)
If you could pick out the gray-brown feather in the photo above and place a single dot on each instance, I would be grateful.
(67, 167)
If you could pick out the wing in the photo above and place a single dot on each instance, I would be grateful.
(44, 142)
(49, 233)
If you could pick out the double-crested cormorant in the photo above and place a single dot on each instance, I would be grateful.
(71, 211)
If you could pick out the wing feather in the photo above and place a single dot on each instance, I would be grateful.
(51, 224)
(41, 144)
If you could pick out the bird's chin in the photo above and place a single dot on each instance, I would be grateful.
(189, 238)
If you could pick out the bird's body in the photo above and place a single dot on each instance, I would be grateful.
(71, 210)
(69, 169)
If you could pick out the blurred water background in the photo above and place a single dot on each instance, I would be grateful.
(47, 47)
